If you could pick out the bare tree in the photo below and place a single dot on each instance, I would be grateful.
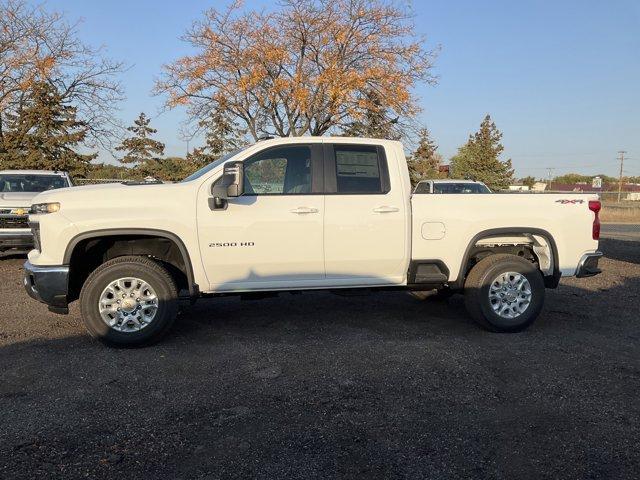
(41, 46)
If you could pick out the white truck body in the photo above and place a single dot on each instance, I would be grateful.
(322, 239)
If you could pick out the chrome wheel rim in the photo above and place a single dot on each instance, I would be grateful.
(128, 304)
(510, 294)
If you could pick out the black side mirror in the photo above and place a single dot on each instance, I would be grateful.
(230, 185)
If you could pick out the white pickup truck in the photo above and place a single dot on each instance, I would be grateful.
(300, 214)
(17, 190)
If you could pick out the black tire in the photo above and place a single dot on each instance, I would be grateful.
(478, 283)
(130, 266)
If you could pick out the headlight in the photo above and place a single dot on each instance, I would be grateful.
(42, 208)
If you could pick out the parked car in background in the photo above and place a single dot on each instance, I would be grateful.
(17, 189)
(451, 186)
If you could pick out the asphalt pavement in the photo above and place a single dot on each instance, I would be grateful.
(321, 386)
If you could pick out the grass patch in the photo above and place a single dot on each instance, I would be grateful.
(620, 212)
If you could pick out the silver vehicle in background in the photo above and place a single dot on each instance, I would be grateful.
(451, 186)
(17, 189)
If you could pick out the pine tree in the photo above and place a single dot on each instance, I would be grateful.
(479, 158)
(528, 181)
(375, 122)
(44, 134)
(221, 136)
(425, 162)
(140, 148)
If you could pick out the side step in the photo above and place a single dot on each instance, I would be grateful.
(428, 271)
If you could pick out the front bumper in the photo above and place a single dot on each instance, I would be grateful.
(15, 239)
(48, 285)
(588, 266)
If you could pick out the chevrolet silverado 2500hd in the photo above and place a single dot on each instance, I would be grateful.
(300, 214)
(17, 190)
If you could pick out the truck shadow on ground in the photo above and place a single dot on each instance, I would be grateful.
(383, 385)
(623, 250)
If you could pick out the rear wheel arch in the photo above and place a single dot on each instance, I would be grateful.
(165, 247)
(551, 281)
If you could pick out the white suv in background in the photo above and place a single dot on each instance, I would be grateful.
(451, 186)
(17, 189)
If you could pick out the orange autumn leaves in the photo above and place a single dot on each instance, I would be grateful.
(303, 69)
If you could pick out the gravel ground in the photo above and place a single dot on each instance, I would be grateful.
(316, 386)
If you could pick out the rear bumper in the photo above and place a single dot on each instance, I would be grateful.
(588, 266)
(15, 239)
(48, 285)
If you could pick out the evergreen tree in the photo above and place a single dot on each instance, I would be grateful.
(375, 122)
(44, 134)
(140, 148)
(528, 181)
(221, 136)
(425, 162)
(479, 158)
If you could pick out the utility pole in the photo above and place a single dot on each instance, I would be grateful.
(549, 175)
(621, 158)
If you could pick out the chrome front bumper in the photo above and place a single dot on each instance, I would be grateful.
(588, 266)
(48, 285)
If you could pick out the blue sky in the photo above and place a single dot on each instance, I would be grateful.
(560, 78)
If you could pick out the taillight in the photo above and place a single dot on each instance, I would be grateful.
(595, 206)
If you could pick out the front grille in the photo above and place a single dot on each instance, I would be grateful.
(14, 222)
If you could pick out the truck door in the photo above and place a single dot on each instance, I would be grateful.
(272, 235)
(366, 218)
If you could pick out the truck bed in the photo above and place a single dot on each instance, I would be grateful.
(443, 226)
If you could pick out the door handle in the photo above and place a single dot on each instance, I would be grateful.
(386, 209)
(304, 210)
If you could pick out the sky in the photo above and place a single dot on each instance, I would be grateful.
(561, 79)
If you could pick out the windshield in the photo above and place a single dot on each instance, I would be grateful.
(211, 166)
(460, 188)
(30, 183)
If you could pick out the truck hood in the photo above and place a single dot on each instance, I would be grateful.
(114, 194)
(17, 199)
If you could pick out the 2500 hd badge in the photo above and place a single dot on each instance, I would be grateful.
(231, 244)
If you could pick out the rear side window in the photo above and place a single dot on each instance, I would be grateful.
(359, 169)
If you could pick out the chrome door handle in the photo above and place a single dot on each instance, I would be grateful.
(386, 209)
(303, 210)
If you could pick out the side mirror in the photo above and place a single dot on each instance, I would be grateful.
(230, 185)
(234, 172)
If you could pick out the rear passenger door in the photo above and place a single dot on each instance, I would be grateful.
(365, 216)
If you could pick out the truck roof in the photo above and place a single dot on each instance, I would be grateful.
(32, 172)
(322, 139)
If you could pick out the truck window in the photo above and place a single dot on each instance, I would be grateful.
(31, 183)
(358, 169)
(283, 170)
(423, 187)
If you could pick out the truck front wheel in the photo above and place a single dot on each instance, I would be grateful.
(504, 293)
(129, 301)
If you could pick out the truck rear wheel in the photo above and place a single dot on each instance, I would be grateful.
(129, 301)
(504, 293)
